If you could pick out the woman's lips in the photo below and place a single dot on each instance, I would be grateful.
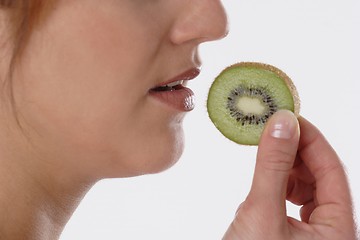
(173, 92)
(180, 98)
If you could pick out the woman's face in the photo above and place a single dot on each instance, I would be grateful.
(88, 87)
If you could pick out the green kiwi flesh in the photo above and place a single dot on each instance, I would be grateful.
(245, 95)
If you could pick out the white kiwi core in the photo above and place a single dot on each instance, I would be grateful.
(251, 105)
(245, 95)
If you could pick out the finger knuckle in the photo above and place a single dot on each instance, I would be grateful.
(278, 160)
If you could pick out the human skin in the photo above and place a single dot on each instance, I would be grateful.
(298, 165)
(84, 105)
(86, 112)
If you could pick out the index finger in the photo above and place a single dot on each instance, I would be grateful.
(324, 164)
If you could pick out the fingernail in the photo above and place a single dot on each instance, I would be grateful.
(283, 125)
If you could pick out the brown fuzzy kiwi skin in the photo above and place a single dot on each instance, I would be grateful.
(278, 72)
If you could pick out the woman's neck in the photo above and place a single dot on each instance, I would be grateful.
(30, 209)
(36, 198)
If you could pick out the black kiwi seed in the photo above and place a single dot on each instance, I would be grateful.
(244, 97)
(244, 118)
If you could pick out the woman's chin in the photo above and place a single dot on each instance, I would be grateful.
(166, 164)
(153, 157)
(165, 158)
(147, 166)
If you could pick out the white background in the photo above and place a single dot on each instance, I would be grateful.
(316, 42)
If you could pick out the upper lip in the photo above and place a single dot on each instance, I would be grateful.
(184, 76)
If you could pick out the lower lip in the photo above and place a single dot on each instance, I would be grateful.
(181, 99)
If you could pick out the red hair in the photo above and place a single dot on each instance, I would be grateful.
(24, 16)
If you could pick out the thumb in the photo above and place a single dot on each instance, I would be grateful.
(275, 159)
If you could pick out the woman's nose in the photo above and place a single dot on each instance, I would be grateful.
(200, 21)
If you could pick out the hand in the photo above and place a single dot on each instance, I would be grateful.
(304, 170)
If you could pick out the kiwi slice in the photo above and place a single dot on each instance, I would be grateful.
(245, 95)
